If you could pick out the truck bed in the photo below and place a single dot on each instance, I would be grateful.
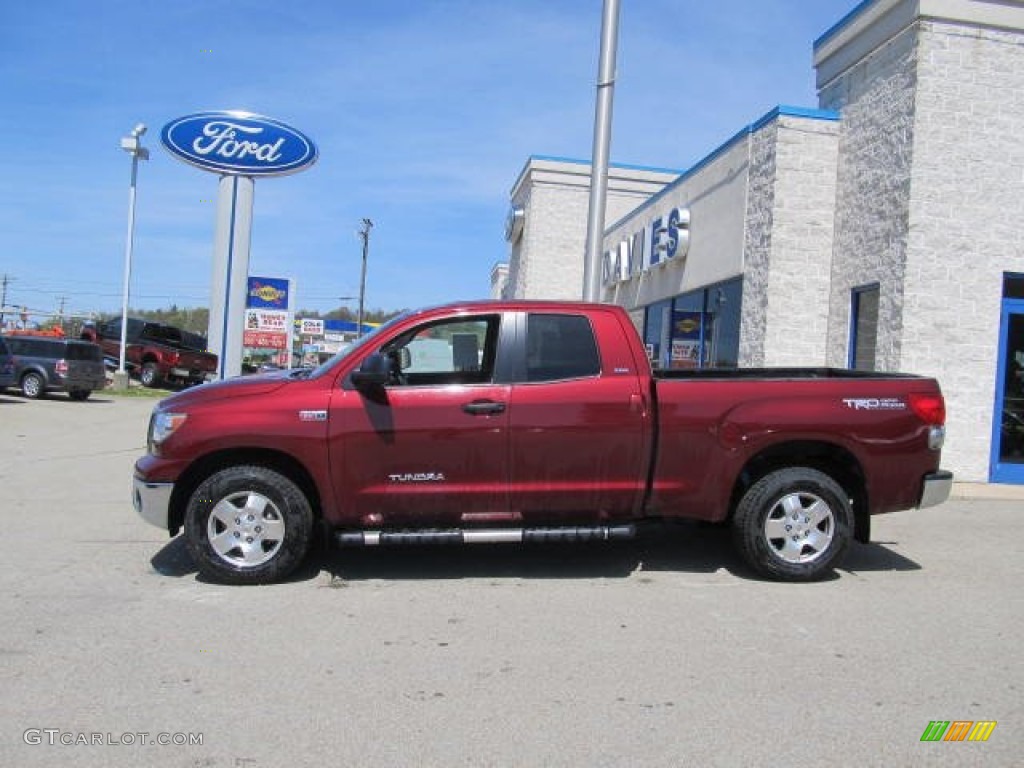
(777, 374)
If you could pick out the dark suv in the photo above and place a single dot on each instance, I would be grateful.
(7, 378)
(43, 364)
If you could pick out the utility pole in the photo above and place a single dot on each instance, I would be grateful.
(60, 313)
(364, 233)
(3, 299)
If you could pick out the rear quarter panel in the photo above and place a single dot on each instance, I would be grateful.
(709, 430)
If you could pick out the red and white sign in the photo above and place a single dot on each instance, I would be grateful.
(265, 340)
(309, 326)
(273, 320)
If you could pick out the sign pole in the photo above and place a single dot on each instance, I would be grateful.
(231, 245)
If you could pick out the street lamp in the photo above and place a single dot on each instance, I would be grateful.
(133, 147)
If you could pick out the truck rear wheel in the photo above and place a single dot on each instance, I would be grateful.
(793, 524)
(248, 525)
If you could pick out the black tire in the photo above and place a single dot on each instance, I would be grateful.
(33, 386)
(793, 524)
(79, 394)
(248, 525)
(149, 376)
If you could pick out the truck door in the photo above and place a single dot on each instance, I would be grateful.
(433, 446)
(579, 421)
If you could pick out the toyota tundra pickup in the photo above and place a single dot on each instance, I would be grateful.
(533, 422)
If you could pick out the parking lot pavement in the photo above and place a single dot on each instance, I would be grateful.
(664, 651)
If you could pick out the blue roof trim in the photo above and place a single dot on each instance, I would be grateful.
(774, 114)
(834, 29)
(784, 111)
(624, 166)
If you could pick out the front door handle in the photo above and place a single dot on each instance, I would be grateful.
(483, 407)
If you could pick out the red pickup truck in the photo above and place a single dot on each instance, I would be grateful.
(533, 421)
(155, 352)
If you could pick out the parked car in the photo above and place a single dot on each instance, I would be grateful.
(534, 422)
(43, 364)
(6, 366)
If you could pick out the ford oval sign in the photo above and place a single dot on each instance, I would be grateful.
(238, 143)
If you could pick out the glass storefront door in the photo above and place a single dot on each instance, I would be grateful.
(1007, 459)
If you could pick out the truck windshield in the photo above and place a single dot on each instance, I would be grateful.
(355, 346)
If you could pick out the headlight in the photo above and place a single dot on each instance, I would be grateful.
(162, 425)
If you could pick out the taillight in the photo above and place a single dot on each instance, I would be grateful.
(930, 408)
(61, 367)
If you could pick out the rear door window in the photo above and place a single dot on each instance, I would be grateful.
(560, 347)
(27, 348)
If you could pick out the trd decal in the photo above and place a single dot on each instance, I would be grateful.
(874, 403)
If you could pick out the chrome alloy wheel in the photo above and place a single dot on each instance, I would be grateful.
(245, 529)
(800, 527)
(32, 386)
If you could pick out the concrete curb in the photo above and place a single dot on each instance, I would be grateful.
(994, 491)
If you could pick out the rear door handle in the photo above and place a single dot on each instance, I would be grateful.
(483, 407)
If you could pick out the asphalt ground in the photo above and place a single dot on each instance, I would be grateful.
(664, 651)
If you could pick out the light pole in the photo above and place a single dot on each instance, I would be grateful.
(602, 146)
(133, 146)
(365, 234)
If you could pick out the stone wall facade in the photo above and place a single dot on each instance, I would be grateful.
(872, 203)
(965, 222)
(789, 239)
(930, 185)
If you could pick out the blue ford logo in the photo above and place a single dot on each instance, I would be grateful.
(238, 143)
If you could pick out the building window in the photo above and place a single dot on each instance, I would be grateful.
(1013, 286)
(699, 329)
(657, 329)
(863, 328)
(723, 304)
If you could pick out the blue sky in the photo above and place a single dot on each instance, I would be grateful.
(424, 112)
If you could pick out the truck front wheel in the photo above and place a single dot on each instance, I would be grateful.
(248, 525)
(793, 524)
(149, 376)
(33, 386)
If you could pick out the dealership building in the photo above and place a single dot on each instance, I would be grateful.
(879, 230)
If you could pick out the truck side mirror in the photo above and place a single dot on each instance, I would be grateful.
(404, 358)
(375, 371)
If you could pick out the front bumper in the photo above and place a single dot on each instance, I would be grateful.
(936, 488)
(152, 501)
